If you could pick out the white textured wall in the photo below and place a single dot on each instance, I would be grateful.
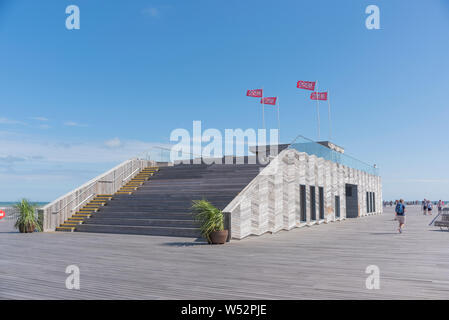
(271, 202)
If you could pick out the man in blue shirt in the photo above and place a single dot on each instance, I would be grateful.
(400, 214)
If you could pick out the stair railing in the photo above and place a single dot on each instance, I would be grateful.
(76, 198)
(138, 169)
(82, 202)
(62, 208)
(116, 179)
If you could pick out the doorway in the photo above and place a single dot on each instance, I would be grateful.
(337, 206)
(312, 204)
(352, 201)
(302, 198)
(321, 201)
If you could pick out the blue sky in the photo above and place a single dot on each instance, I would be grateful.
(75, 103)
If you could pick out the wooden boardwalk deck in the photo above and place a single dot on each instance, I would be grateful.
(319, 262)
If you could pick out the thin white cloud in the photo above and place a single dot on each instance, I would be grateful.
(74, 124)
(11, 159)
(40, 118)
(151, 12)
(113, 143)
(10, 121)
(31, 147)
(42, 168)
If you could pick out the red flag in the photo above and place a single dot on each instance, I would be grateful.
(308, 85)
(269, 100)
(318, 96)
(256, 93)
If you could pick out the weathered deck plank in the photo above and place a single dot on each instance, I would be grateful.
(319, 262)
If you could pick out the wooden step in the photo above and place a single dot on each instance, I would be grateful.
(65, 229)
(86, 215)
(89, 210)
(68, 224)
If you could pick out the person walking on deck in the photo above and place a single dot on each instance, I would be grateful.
(429, 207)
(400, 214)
(424, 207)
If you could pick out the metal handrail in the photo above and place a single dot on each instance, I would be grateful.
(83, 201)
(93, 183)
(131, 174)
(119, 175)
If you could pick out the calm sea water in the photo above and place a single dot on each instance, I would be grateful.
(11, 204)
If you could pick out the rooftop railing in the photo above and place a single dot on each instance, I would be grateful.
(302, 144)
(164, 154)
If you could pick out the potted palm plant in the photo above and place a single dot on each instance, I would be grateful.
(27, 221)
(211, 223)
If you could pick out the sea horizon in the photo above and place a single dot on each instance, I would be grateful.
(9, 204)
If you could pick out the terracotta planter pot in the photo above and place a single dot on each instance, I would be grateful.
(218, 237)
(30, 229)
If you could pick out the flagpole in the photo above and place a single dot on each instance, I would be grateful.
(318, 109)
(263, 111)
(329, 114)
(279, 125)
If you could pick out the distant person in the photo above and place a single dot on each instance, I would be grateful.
(440, 206)
(429, 208)
(424, 207)
(400, 214)
(391, 203)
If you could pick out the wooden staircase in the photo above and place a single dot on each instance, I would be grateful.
(161, 206)
(137, 181)
(101, 200)
(84, 213)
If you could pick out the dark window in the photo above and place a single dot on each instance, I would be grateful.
(367, 202)
(348, 191)
(374, 202)
(312, 203)
(337, 206)
(352, 203)
(321, 195)
(303, 203)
